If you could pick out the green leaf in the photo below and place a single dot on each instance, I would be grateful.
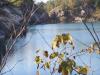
(71, 63)
(65, 72)
(66, 37)
(61, 55)
(38, 60)
(66, 67)
(53, 55)
(47, 65)
(64, 64)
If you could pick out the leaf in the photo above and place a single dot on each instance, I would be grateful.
(65, 72)
(53, 55)
(71, 63)
(64, 64)
(47, 65)
(63, 39)
(66, 67)
(61, 55)
(90, 50)
(69, 37)
(38, 60)
(98, 51)
(60, 69)
(71, 43)
(82, 70)
(38, 50)
(56, 42)
(46, 53)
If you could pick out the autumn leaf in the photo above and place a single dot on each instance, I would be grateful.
(67, 38)
(38, 59)
(66, 67)
(98, 51)
(90, 50)
(47, 65)
(61, 55)
(53, 55)
(64, 38)
(56, 42)
(60, 69)
(82, 70)
(65, 72)
(46, 53)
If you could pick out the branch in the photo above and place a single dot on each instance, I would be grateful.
(24, 23)
(11, 68)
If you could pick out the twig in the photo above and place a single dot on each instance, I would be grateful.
(95, 34)
(11, 68)
(24, 23)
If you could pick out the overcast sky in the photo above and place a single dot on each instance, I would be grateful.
(41, 0)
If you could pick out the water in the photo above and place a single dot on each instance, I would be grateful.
(40, 37)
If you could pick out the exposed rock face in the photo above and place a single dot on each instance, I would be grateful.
(9, 17)
(39, 18)
(10, 21)
(59, 15)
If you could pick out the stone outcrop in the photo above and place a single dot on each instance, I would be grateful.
(39, 18)
(10, 18)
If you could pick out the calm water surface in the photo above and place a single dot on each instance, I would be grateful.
(25, 48)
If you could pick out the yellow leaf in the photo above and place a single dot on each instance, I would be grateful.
(98, 51)
(65, 72)
(38, 59)
(83, 70)
(47, 65)
(56, 42)
(67, 38)
(53, 55)
(60, 69)
(61, 55)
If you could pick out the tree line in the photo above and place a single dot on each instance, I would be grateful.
(69, 4)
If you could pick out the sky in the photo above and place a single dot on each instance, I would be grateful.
(41, 0)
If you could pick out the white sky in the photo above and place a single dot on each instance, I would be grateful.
(41, 0)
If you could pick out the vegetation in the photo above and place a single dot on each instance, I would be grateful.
(59, 3)
(68, 3)
(62, 61)
(71, 8)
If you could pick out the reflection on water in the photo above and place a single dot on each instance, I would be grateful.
(25, 48)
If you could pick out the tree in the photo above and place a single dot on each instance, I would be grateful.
(71, 3)
(49, 6)
(16, 2)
